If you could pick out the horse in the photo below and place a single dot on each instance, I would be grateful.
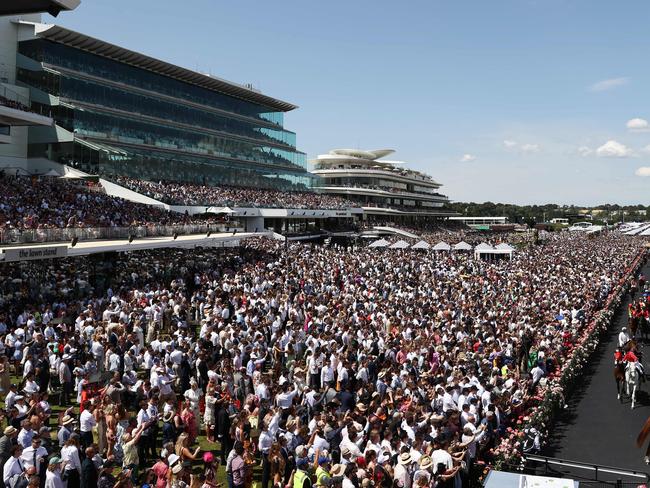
(631, 381)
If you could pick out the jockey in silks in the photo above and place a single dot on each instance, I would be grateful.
(618, 355)
(630, 357)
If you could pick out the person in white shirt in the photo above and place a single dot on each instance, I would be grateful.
(327, 376)
(26, 433)
(70, 456)
(53, 474)
(623, 337)
(285, 398)
(13, 467)
(34, 455)
(86, 423)
(537, 373)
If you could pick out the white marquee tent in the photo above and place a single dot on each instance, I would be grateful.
(421, 245)
(442, 246)
(400, 245)
(462, 246)
(379, 243)
(484, 250)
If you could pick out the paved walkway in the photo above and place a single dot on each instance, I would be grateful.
(596, 427)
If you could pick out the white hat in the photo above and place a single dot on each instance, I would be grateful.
(172, 458)
(405, 458)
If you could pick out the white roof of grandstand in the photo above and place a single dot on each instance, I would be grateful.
(98, 47)
(442, 246)
(421, 245)
(400, 245)
(462, 246)
(645, 232)
(379, 243)
(504, 247)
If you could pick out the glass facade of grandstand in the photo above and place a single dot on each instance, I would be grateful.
(126, 120)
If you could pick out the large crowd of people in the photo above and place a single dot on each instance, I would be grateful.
(28, 202)
(284, 366)
(177, 193)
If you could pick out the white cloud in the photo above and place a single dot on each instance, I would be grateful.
(530, 148)
(643, 171)
(467, 158)
(613, 149)
(585, 151)
(637, 125)
(604, 85)
(646, 149)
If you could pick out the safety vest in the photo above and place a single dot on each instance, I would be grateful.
(321, 475)
(299, 479)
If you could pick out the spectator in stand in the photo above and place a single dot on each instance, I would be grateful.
(176, 193)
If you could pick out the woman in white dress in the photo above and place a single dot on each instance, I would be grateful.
(209, 416)
(193, 395)
(53, 474)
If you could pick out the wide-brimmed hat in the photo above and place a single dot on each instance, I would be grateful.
(405, 458)
(425, 462)
(337, 470)
(54, 460)
(67, 420)
(10, 430)
(172, 458)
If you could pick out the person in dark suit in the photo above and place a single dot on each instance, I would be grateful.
(222, 431)
(89, 474)
(7, 441)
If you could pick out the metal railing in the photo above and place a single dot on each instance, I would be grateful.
(17, 236)
(588, 474)
(9, 95)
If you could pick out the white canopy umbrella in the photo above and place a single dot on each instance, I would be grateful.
(421, 245)
(400, 245)
(505, 247)
(442, 246)
(462, 246)
(379, 243)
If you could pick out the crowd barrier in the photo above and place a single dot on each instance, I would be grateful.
(17, 236)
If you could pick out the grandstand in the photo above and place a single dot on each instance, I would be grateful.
(386, 190)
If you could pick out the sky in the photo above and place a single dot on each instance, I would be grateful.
(514, 101)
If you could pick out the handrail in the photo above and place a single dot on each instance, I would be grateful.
(14, 96)
(25, 236)
(596, 468)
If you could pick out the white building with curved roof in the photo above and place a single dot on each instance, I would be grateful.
(382, 187)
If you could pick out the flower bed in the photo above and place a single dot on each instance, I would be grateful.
(551, 397)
